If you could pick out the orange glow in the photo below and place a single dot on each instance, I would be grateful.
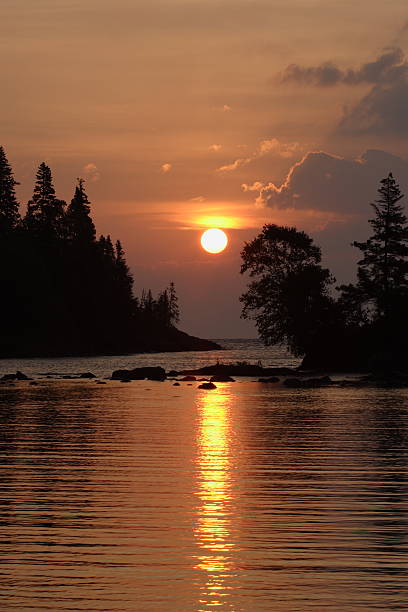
(214, 484)
(214, 240)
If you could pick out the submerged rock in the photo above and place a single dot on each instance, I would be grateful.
(207, 385)
(151, 373)
(188, 379)
(87, 375)
(222, 378)
(17, 376)
(272, 379)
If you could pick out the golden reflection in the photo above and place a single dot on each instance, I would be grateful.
(213, 531)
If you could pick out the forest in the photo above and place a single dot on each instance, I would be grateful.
(67, 292)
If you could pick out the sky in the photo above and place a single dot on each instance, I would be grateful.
(186, 114)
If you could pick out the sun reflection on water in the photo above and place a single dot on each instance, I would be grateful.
(213, 530)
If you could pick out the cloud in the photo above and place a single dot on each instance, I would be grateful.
(265, 147)
(325, 182)
(389, 67)
(165, 168)
(91, 172)
(215, 147)
(382, 111)
(226, 108)
(242, 161)
(198, 199)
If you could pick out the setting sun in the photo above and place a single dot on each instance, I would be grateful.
(214, 240)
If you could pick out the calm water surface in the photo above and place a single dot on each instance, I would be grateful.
(145, 496)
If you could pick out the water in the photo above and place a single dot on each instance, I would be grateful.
(234, 350)
(149, 497)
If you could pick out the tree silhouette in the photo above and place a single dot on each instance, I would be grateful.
(9, 208)
(383, 270)
(63, 291)
(80, 229)
(174, 310)
(289, 296)
(45, 213)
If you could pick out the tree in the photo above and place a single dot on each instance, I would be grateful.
(289, 296)
(174, 309)
(9, 214)
(383, 270)
(80, 227)
(45, 212)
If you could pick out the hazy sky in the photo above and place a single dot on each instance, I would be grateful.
(183, 115)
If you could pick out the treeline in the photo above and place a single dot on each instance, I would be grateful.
(359, 326)
(65, 291)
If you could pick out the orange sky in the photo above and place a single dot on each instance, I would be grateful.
(184, 114)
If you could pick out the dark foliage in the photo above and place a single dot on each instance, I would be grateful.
(64, 291)
(289, 297)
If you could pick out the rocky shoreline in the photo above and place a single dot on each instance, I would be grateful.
(207, 376)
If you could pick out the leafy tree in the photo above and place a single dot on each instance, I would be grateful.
(9, 214)
(80, 227)
(289, 295)
(383, 270)
(45, 212)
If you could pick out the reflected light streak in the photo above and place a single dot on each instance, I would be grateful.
(214, 493)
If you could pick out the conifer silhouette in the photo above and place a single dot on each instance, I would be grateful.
(45, 212)
(79, 225)
(9, 208)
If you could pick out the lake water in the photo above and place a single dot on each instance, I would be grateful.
(149, 497)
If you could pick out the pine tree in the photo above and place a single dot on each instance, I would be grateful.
(9, 214)
(44, 211)
(383, 270)
(123, 274)
(80, 227)
(173, 304)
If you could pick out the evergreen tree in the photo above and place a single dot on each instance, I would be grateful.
(174, 310)
(80, 227)
(45, 212)
(383, 270)
(9, 214)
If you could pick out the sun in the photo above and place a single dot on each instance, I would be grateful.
(214, 240)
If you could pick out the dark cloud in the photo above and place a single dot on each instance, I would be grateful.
(382, 111)
(391, 66)
(324, 182)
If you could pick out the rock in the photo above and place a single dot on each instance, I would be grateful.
(188, 378)
(207, 385)
(173, 373)
(17, 376)
(176, 384)
(272, 379)
(21, 376)
(222, 378)
(151, 373)
(126, 380)
(33, 383)
(67, 377)
(87, 375)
